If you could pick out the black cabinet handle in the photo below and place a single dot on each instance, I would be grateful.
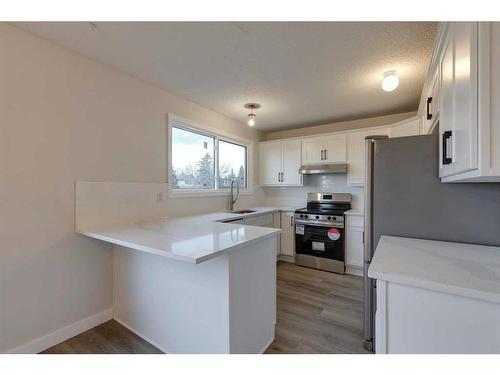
(429, 101)
(321, 154)
(326, 155)
(446, 136)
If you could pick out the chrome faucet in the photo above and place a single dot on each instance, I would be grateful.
(232, 199)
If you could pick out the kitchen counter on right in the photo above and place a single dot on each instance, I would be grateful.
(436, 297)
(462, 269)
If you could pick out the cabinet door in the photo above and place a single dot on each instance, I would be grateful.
(270, 163)
(406, 128)
(446, 112)
(354, 247)
(335, 147)
(312, 150)
(356, 158)
(459, 100)
(464, 133)
(277, 224)
(292, 161)
(356, 155)
(432, 109)
(287, 234)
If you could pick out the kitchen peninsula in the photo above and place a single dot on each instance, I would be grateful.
(195, 284)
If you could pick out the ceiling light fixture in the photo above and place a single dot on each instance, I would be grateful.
(251, 115)
(390, 81)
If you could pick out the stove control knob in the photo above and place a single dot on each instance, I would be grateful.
(329, 218)
(301, 216)
(305, 216)
(317, 217)
(334, 218)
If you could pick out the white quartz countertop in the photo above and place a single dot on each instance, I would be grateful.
(193, 239)
(456, 268)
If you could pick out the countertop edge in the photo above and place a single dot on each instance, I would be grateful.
(435, 286)
(155, 251)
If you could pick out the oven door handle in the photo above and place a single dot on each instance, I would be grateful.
(319, 224)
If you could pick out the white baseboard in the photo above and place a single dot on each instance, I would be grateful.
(40, 344)
(354, 271)
(287, 258)
(262, 351)
(130, 328)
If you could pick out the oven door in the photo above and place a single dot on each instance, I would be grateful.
(323, 241)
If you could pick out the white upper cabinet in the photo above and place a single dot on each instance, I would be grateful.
(458, 126)
(460, 101)
(356, 154)
(312, 150)
(432, 103)
(406, 128)
(291, 163)
(280, 162)
(326, 149)
(270, 163)
(335, 148)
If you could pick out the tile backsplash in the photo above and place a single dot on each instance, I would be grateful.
(327, 183)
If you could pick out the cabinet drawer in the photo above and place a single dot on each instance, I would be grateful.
(355, 221)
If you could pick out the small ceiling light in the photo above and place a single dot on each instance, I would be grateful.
(390, 81)
(251, 115)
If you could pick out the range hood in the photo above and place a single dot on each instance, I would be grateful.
(323, 168)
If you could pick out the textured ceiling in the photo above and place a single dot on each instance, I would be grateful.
(301, 73)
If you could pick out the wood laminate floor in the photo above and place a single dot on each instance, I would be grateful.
(317, 312)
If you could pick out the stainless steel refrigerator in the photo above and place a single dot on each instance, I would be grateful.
(405, 197)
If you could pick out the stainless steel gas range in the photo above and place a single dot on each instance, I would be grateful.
(319, 232)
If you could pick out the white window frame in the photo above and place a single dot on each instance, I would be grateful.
(179, 122)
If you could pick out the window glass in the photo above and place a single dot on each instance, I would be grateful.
(232, 164)
(193, 164)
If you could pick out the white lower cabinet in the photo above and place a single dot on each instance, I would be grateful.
(270, 220)
(264, 220)
(413, 320)
(354, 242)
(354, 247)
(277, 225)
(287, 234)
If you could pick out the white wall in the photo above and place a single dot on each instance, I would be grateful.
(328, 183)
(67, 118)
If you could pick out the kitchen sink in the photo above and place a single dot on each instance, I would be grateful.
(242, 211)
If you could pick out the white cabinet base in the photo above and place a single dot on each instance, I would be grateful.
(356, 271)
(287, 258)
(224, 305)
(420, 321)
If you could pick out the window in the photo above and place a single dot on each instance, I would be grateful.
(205, 162)
(192, 160)
(232, 164)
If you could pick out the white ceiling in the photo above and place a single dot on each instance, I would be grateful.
(301, 73)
